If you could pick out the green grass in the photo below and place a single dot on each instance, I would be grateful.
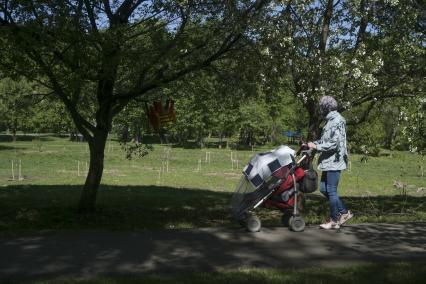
(136, 194)
(372, 273)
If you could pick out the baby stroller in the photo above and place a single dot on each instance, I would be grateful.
(275, 180)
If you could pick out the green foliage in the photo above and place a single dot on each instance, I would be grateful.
(50, 116)
(135, 149)
(397, 124)
(254, 123)
(366, 138)
(131, 123)
(16, 104)
(413, 126)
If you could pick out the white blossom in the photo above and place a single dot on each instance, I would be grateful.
(303, 96)
(336, 62)
(266, 51)
(287, 39)
(370, 80)
(413, 149)
(356, 73)
(392, 2)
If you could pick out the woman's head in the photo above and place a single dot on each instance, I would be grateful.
(327, 104)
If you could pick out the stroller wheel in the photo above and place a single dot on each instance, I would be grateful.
(242, 220)
(285, 218)
(297, 224)
(253, 223)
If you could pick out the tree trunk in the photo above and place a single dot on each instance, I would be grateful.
(163, 136)
(389, 137)
(94, 176)
(200, 138)
(14, 128)
(138, 134)
(13, 134)
(73, 136)
(125, 133)
(314, 121)
(274, 131)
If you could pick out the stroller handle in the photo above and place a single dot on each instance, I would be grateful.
(306, 153)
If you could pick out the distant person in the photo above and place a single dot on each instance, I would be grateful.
(332, 160)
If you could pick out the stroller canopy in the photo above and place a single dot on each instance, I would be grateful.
(263, 165)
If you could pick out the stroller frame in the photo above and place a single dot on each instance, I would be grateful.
(295, 222)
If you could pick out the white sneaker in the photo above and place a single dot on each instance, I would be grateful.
(345, 217)
(330, 224)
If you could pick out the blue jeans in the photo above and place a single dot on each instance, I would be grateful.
(328, 187)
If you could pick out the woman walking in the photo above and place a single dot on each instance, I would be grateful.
(332, 160)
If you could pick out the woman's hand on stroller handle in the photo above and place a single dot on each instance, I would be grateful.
(305, 152)
(312, 145)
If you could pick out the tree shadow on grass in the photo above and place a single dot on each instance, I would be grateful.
(40, 207)
(25, 138)
(389, 208)
(8, 148)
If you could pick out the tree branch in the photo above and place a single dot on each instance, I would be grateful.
(83, 125)
(362, 25)
(108, 10)
(226, 45)
(372, 96)
(91, 15)
(168, 48)
(7, 18)
(134, 25)
(364, 115)
(326, 26)
(126, 9)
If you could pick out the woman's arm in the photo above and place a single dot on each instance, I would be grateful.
(329, 142)
(328, 145)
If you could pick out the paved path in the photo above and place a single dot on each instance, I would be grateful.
(82, 254)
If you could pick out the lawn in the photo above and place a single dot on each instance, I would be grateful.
(174, 187)
(390, 273)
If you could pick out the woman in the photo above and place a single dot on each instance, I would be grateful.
(332, 160)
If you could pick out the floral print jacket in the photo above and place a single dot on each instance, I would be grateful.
(332, 144)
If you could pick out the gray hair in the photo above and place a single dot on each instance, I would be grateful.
(327, 104)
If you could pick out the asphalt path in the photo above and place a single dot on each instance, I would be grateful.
(84, 254)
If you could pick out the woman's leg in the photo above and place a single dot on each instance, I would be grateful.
(336, 204)
(323, 184)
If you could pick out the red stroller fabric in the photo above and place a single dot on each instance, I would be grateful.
(299, 173)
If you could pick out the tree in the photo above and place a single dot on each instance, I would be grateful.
(208, 102)
(360, 51)
(15, 104)
(50, 116)
(97, 56)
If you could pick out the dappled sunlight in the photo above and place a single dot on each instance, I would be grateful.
(88, 253)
